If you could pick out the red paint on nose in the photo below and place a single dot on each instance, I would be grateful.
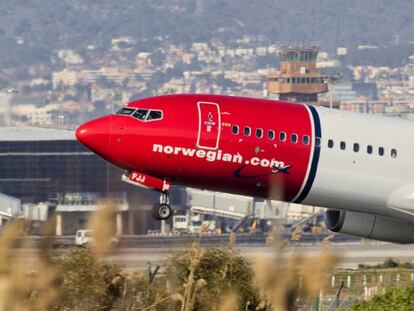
(96, 135)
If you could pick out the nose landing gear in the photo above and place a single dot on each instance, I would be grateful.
(162, 210)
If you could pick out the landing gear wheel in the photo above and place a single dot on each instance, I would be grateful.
(161, 211)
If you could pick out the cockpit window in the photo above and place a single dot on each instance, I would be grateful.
(154, 115)
(148, 115)
(125, 111)
(141, 114)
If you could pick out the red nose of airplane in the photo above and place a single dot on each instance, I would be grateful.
(96, 135)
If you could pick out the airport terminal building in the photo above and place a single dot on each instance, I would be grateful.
(50, 165)
(36, 164)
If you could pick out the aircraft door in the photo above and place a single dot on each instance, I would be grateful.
(209, 125)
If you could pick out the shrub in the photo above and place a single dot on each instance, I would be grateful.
(222, 270)
(394, 299)
(87, 283)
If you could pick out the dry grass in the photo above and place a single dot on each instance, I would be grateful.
(103, 228)
(284, 279)
(20, 290)
(192, 286)
(34, 285)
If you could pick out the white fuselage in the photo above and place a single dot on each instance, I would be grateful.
(359, 181)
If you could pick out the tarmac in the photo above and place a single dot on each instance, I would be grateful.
(351, 254)
(136, 256)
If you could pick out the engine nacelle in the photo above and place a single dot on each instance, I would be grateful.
(370, 226)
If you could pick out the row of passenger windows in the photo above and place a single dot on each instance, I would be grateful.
(305, 140)
(271, 135)
(141, 114)
(369, 148)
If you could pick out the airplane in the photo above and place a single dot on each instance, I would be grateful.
(359, 167)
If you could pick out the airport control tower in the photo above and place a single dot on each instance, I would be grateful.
(298, 80)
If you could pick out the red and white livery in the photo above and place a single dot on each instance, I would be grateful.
(359, 167)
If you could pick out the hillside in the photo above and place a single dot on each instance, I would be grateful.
(31, 30)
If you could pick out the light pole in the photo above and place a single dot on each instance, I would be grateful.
(8, 113)
(61, 120)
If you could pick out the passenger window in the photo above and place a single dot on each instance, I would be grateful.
(356, 147)
(381, 151)
(317, 141)
(282, 136)
(342, 145)
(140, 114)
(247, 131)
(369, 149)
(271, 134)
(125, 111)
(305, 140)
(330, 143)
(294, 138)
(393, 153)
(154, 115)
(259, 133)
(235, 129)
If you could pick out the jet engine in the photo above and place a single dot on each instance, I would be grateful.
(370, 226)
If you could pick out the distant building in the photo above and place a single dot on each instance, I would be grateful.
(36, 212)
(70, 57)
(298, 79)
(411, 82)
(41, 117)
(45, 165)
(65, 77)
(366, 89)
(9, 208)
(73, 211)
(113, 74)
(341, 51)
(341, 93)
(144, 62)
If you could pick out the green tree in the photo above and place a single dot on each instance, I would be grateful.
(224, 271)
(87, 282)
(401, 299)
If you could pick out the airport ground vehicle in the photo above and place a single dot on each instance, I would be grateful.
(192, 224)
(85, 238)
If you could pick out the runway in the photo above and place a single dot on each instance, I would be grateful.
(351, 254)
